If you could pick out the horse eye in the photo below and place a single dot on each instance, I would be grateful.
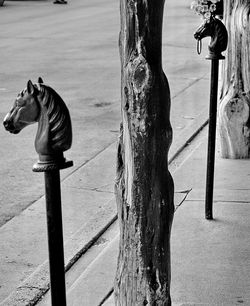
(19, 103)
(20, 94)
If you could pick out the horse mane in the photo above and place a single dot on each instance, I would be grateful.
(60, 135)
(221, 33)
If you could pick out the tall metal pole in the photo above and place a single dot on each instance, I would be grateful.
(51, 171)
(55, 237)
(215, 28)
(211, 139)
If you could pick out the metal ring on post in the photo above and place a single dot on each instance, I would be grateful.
(199, 46)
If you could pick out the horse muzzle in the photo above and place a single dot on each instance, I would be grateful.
(197, 36)
(9, 126)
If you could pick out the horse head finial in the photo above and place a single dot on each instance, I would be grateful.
(214, 28)
(40, 103)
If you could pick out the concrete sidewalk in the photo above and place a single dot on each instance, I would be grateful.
(210, 259)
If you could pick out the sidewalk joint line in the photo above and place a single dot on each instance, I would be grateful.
(187, 142)
(221, 201)
(89, 160)
(188, 86)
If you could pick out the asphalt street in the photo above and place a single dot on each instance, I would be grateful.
(74, 48)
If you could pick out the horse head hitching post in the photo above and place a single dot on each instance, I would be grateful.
(40, 103)
(213, 27)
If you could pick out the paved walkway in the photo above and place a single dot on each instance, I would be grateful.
(210, 259)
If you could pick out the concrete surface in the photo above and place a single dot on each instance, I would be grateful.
(92, 286)
(87, 209)
(74, 48)
(210, 259)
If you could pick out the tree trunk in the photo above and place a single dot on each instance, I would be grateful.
(234, 122)
(144, 187)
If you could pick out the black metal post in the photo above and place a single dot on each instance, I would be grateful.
(211, 139)
(51, 167)
(55, 237)
(54, 136)
(216, 29)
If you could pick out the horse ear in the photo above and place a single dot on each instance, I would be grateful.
(30, 87)
(40, 80)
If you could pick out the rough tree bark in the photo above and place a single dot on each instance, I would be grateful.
(234, 122)
(144, 187)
